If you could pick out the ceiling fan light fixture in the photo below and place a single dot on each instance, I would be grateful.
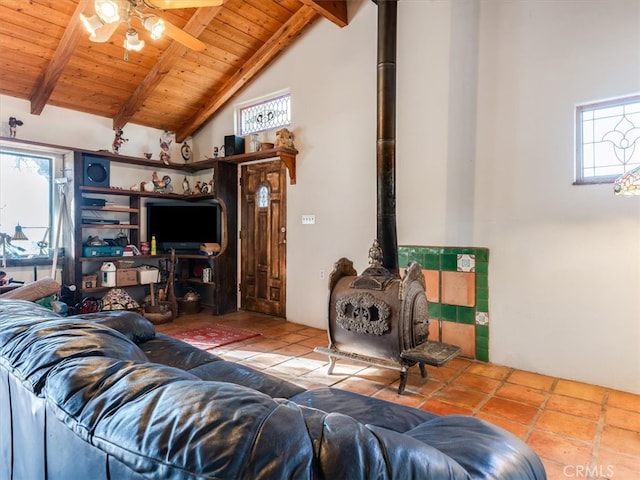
(155, 26)
(132, 42)
(108, 10)
(92, 23)
(104, 33)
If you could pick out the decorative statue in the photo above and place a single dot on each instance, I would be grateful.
(375, 254)
(284, 138)
(165, 147)
(118, 140)
(14, 123)
(162, 185)
(185, 186)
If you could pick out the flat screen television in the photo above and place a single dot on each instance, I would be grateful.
(184, 226)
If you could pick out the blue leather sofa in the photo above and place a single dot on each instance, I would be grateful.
(103, 396)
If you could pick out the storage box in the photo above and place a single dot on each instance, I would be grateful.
(89, 281)
(147, 274)
(126, 277)
(102, 251)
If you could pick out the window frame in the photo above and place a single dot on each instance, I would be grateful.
(57, 161)
(262, 101)
(580, 178)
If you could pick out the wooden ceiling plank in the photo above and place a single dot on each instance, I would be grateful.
(61, 57)
(195, 26)
(334, 10)
(270, 50)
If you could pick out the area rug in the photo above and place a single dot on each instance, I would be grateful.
(214, 336)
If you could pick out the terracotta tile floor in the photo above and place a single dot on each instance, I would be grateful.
(579, 430)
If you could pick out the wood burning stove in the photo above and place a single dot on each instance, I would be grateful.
(381, 319)
(377, 317)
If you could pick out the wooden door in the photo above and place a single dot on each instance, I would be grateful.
(263, 236)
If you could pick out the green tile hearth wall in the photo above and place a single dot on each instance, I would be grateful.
(473, 334)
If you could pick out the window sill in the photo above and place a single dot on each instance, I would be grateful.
(29, 262)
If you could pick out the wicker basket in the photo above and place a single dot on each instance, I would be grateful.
(159, 313)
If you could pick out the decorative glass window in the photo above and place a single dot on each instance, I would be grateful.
(607, 135)
(267, 114)
(263, 196)
(25, 226)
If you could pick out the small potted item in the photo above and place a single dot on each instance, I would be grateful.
(189, 303)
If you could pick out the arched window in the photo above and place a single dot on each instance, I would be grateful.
(263, 195)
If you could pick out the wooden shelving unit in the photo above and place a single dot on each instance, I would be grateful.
(221, 292)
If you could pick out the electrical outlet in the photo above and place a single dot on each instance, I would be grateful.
(308, 219)
(321, 274)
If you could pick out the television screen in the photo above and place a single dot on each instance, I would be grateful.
(183, 226)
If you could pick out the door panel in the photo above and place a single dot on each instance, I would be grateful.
(263, 238)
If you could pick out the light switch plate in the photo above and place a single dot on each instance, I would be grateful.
(308, 219)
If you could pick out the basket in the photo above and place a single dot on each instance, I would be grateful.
(159, 313)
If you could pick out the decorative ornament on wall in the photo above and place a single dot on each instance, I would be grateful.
(186, 152)
(166, 139)
(628, 184)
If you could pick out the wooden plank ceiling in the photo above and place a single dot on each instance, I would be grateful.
(46, 57)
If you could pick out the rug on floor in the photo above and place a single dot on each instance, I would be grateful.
(214, 336)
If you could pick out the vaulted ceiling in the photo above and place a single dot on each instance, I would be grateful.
(47, 58)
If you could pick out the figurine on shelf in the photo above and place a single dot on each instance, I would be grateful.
(118, 140)
(162, 185)
(185, 186)
(196, 188)
(284, 138)
(14, 123)
(165, 147)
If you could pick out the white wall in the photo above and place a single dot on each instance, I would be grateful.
(486, 97)
(565, 260)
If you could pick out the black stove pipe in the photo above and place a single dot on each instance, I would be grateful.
(386, 229)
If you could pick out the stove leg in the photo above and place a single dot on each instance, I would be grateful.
(423, 371)
(403, 381)
(332, 363)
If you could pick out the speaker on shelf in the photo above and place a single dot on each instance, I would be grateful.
(95, 171)
(233, 145)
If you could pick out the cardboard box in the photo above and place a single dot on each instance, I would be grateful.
(126, 277)
(147, 274)
(89, 281)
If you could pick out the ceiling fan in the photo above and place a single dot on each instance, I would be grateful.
(110, 13)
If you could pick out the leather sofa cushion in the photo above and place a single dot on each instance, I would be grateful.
(174, 352)
(132, 325)
(34, 339)
(164, 423)
(224, 371)
(348, 449)
(367, 410)
(479, 447)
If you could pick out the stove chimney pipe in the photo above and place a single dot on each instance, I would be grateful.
(386, 229)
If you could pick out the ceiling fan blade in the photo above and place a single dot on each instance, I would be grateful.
(183, 37)
(169, 4)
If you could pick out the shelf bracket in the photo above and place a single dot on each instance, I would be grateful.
(289, 160)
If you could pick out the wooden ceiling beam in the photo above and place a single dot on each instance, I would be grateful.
(195, 26)
(260, 59)
(334, 10)
(49, 78)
